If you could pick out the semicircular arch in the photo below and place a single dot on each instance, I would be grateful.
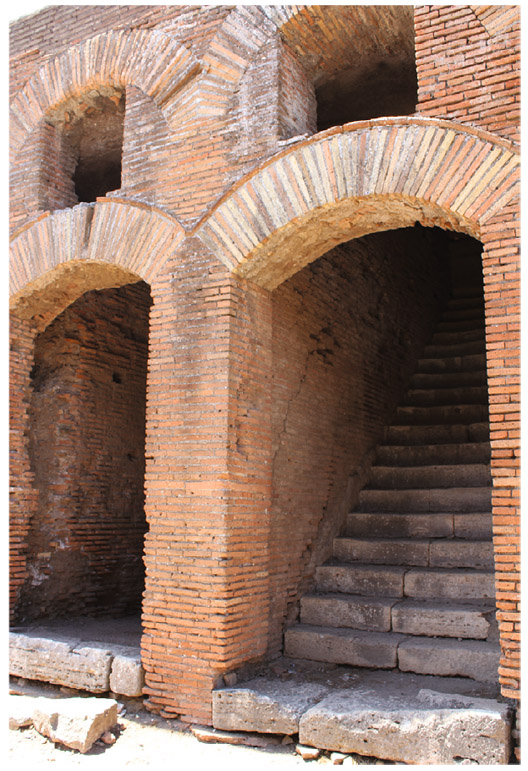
(357, 179)
(59, 256)
(153, 61)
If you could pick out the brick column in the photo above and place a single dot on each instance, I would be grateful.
(23, 495)
(501, 267)
(207, 481)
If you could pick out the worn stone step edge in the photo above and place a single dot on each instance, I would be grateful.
(430, 618)
(424, 552)
(446, 433)
(433, 454)
(430, 476)
(475, 659)
(433, 524)
(456, 499)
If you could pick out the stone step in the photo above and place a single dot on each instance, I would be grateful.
(397, 716)
(476, 659)
(454, 349)
(431, 397)
(437, 434)
(450, 414)
(455, 336)
(452, 363)
(357, 648)
(466, 295)
(465, 525)
(433, 454)
(334, 609)
(425, 380)
(366, 580)
(421, 583)
(454, 499)
(430, 618)
(420, 477)
(447, 553)
(450, 324)
(415, 617)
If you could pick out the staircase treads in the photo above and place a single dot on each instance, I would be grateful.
(439, 524)
(440, 619)
(432, 618)
(443, 552)
(432, 499)
(437, 434)
(334, 609)
(449, 583)
(418, 476)
(452, 363)
(450, 323)
(438, 380)
(343, 646)
(455, 336)
(444, 656)
(441, 414)
(434, 454)
(453, 349)
(435, 397)
(367, 580)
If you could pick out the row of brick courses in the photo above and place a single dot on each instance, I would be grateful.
(84, 548)
(467, 70)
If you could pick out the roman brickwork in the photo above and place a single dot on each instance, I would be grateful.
(195, 167)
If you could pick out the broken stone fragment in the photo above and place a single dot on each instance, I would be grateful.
(75, 722)
(307, 753)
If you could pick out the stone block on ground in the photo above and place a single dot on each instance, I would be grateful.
(214, 736)
(77, 722)
(409, 728)
(127, 676)
(62, 662)
(268, 706)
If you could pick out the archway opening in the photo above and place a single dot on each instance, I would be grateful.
(348, 332)
(87, 434)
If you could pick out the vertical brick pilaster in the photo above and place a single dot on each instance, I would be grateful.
(23, 495)
(207, 482)
(501, 267)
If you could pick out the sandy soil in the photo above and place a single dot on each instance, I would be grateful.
(147, 741)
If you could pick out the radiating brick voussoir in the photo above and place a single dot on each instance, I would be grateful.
(364, 161)
(150, 60)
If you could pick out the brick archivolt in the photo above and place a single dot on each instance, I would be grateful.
(90, 246)
(356, 179)
(150, 60)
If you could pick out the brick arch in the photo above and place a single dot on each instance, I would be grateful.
(91, 246)
(151, 60)
(357, 179)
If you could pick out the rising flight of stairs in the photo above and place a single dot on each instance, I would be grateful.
(411, 582)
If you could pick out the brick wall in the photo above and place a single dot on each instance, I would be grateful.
(86, 437)
(218, 340)
(467, 58)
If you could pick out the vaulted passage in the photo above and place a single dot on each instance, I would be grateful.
(87, 434)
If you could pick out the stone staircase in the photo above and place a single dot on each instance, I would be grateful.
(396, 654)
(411, 582)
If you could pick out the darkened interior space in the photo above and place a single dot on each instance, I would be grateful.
(383, 87)
(96, 140)
(87, 440)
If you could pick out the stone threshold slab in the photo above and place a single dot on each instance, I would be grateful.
(95, 667)
(390, 716)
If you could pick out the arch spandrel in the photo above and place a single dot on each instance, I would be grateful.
(91, 246)
(354, 180)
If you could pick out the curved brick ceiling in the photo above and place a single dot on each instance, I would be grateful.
(354, 180)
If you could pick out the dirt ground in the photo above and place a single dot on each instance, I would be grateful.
(147, 741)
